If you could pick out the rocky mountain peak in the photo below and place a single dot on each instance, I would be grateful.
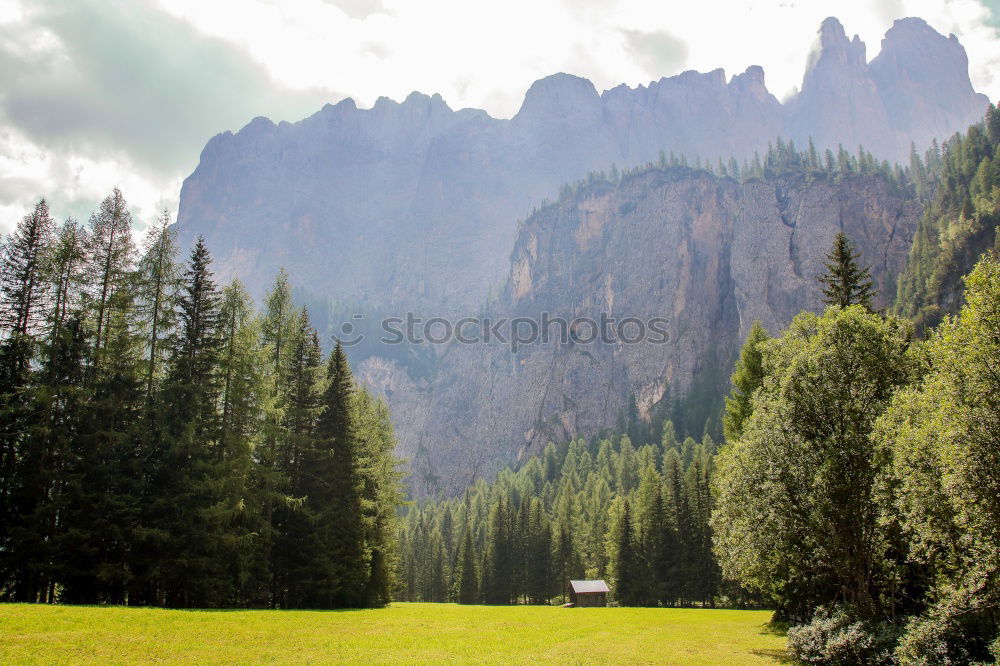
(914, 51)
(427, 178)
(923, 77)
(834, 51)
(558, 96)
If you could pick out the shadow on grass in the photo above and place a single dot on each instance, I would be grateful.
(271, 610)
(779, 656)
(777, 628)
(204, 610)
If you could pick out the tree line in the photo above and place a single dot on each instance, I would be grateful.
(635, 515)
(163, 443)
(958, 225)
(919, 179)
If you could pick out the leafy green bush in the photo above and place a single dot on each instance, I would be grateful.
(835, 637)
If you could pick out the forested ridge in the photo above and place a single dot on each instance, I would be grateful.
(958, 225)
(163, 443)
(636, 515)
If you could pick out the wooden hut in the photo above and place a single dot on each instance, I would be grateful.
(585, 593)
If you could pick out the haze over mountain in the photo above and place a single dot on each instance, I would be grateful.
(706, 253)
(422, 201)
(420, 204)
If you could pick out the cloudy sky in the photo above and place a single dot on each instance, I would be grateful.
(98, 93)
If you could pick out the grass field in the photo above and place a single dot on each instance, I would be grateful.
(401, 633)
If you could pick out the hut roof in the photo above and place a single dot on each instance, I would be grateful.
(588, 586)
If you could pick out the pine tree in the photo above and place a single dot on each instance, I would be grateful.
(381, 495)
(57, 400)
(539, 561)
(298, 545)
(242, 392)
(277, 329)
(335, 462)
(628, 583)
(679, 515)
(845, 282)
(189, 479)
(103, 463)
(158, 287)
(23, 264)
(499, 572)
(747, 378)
(24, 259)
(110, 260)
(467, 574)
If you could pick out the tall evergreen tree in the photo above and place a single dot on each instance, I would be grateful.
(628, 584)
(242, 392)
(381, 496)
(335, 464)
(23, 267)
(846, 283)
(158, 286)
(277, 331)
(188, 484)
(102, 476)
(467, 572)
(747, 378)
(111, 255)
(294, 522)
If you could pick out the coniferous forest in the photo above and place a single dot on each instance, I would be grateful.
(164, 443)
(856, 491)
(637, 516)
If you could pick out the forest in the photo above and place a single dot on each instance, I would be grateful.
(163, 443)
(166, 443)
(857, 487)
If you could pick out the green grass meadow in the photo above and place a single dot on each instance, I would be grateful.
(401, 633)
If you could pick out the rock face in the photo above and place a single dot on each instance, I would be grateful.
(413, 205)
(708, 254)
(922, 78)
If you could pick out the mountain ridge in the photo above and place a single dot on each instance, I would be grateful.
(439, 189)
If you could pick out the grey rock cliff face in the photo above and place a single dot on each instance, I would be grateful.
(413, 205)
(708, 254)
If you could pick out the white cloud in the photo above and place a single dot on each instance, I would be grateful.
(487, 54)
(75, 184)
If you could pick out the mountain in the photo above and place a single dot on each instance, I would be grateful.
(414, 207)
(418, 203)
(706, 253)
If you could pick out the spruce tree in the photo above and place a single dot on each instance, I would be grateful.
(103, 468)
(24, 258)
(297, 544)
(747, 378)
(845, 283)
(628, 583)
(190, 475)
(381, 496)
(277, 328)
(467, 574)
(241, 393)
(58, 401)
(499, 564)
(338, 495)
(23, 263)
